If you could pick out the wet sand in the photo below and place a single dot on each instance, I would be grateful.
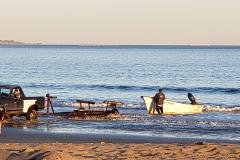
(22, 144)
(20, 135)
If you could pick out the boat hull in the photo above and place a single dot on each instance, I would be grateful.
(171, 107)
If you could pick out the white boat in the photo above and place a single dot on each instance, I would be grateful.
(171, 107)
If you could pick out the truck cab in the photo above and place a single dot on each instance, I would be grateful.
(13, 102)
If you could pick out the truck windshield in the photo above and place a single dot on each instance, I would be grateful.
(5, 91)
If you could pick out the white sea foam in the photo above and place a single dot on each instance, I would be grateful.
(98, 104)
(209, 108)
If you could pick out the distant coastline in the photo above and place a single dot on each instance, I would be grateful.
(123, 46)
(13, 42)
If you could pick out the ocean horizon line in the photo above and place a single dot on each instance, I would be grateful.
(180, 46)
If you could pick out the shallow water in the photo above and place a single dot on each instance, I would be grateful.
(125, 73)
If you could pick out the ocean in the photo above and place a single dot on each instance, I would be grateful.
(125, 73)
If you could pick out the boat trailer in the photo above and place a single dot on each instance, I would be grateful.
(85, 110)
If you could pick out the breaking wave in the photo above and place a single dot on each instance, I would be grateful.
(136, 88)
(207, 108)
(98, 104)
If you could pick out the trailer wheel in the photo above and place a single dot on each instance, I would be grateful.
(115, 111)
(31, 114)
(2, 113)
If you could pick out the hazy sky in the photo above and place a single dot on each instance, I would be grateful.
(121, 21)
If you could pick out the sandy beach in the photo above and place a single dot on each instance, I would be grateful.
(20, 144)
(69, 151)
(120, 80)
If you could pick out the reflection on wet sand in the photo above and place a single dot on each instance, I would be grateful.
(24, 124)
(49, 122)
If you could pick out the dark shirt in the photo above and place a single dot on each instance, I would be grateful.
(159, 98)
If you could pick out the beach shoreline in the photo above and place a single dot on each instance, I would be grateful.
(17, 135)
(28, 144)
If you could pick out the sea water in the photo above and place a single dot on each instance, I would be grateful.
(125, 73)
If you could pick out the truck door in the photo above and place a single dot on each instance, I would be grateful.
(6, 100)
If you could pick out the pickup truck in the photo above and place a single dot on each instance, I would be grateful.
(13, 102)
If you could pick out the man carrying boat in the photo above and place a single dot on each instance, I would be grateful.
(159, 99)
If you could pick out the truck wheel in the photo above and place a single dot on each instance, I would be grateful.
(2, 113)
(31, 114)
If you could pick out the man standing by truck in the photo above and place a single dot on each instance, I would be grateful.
(1, 119)
(159, 99)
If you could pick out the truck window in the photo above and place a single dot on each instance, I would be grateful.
(5, 92)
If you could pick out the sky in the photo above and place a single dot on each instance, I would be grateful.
(121, 22)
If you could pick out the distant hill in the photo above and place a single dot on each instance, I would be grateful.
(12, 42)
